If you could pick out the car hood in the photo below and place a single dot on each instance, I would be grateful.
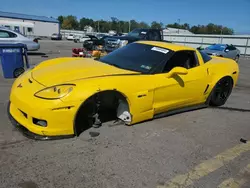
(65, 70)
(212, 51)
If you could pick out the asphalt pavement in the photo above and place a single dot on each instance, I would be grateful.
(205, 148)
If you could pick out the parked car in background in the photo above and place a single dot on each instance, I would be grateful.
(12, 37)
(118, 40)
(100, 35)
(223, 50)
(81, 39)
(56, 36)
(70, 37)
(94, 42)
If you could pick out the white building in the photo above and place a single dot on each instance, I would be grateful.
(30, 25)
(170, 30)
(88, 29)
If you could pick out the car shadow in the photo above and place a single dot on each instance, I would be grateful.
(36, 53)
(232, 109)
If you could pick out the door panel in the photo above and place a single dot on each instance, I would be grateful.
(180, 90)
(231, 53)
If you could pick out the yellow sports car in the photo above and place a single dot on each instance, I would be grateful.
(64, 96)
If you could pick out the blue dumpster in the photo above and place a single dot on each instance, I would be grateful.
(13, 59)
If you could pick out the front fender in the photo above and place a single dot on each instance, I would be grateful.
(223, 70)
(140, 102)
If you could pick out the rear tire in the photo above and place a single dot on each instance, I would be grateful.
(221, 92)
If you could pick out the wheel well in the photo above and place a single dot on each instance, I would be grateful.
(224, 77)
(111, 105)
(230, 78)
(208, 98)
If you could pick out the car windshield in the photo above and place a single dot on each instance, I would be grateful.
(137, 57)
(217, 47)
(137, 32)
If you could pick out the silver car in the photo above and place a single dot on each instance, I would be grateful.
(223, 50)
(8, 36)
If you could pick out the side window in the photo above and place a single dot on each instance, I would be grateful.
(30, 29)
(154, 35)
(232, 47)
(7, 26)
(17, 28)
(205, 57)
(4, 34)
(7, 34)
(185, 59)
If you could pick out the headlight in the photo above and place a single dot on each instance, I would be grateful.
(55, 92)
(123, 43)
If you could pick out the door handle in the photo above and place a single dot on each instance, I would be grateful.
(142, 94)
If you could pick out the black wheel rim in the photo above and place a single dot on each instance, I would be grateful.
(223, 90)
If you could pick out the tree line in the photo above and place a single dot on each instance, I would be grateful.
(121, 26)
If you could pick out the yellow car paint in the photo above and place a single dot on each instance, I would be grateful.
(161, 92)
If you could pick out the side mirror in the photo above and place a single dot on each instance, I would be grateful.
(178, 71)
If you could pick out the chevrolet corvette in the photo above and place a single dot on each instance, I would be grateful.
(143, 80)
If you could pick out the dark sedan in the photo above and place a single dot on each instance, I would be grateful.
(56, 36)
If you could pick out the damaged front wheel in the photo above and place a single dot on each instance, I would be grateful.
(102, 107)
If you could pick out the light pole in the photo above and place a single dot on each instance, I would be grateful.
(179, 25)
(98, 26)
(129, 26)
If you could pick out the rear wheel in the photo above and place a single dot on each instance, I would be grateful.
(221, 92)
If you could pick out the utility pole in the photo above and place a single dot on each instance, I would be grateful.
(98, 26)
(119, 25)
(129, 26)
(179, 25)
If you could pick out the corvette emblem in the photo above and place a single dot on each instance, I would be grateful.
(19, 85)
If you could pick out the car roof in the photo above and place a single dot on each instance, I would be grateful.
(171, 46)
(6, 29)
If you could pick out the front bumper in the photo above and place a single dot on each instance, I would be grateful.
(33, 47)
(30, 134)
(27, 110)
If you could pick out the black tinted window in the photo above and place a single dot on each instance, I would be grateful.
(231, 48)
(185, 59)
(154, 35)
(205, 57)
(137, 57)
